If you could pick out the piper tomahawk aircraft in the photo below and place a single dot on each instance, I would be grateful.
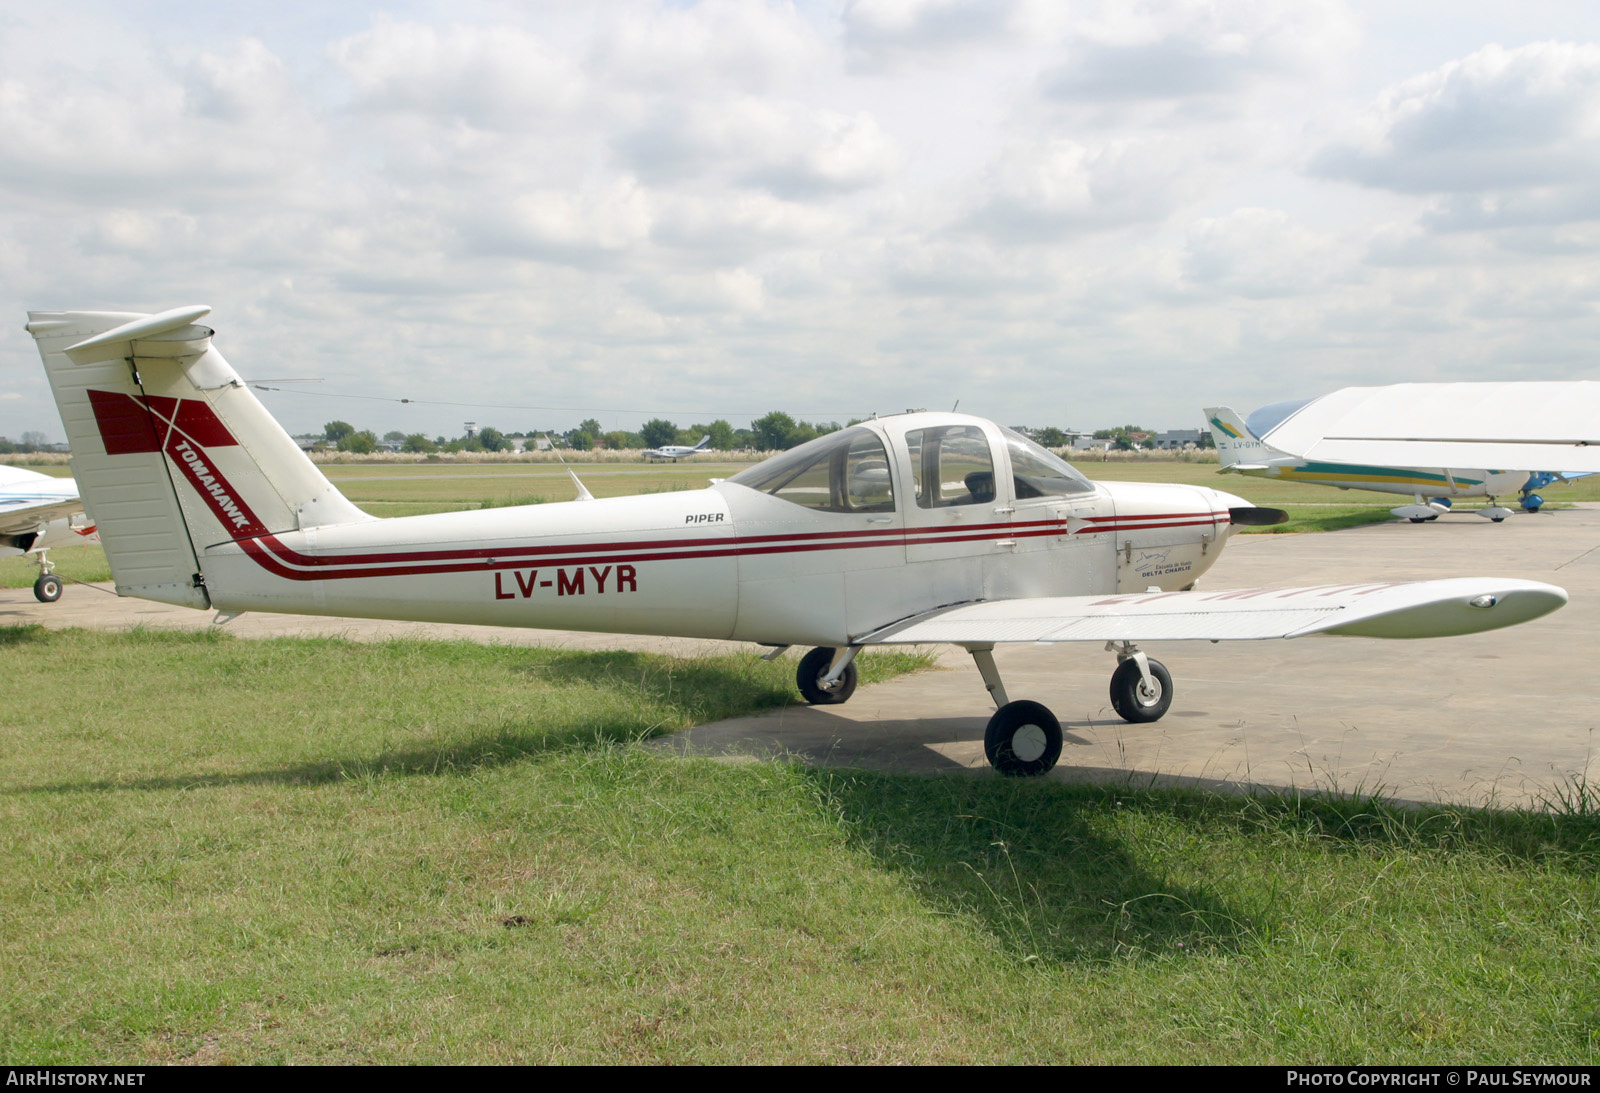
(675, 452)
(922, 527)
(1240, 452)
(38, 512)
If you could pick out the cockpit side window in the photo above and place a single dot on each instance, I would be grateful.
(951, 465)
(1036, 472)
(847, 471)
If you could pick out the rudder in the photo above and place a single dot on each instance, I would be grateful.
(171, 451)
(1237, 447)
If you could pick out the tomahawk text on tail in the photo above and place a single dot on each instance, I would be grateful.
(913, 528)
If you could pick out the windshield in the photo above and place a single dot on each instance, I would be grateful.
(1263, 421)
(847, 471)
(1036, 472)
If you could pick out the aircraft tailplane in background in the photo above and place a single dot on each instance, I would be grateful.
(1239, 451)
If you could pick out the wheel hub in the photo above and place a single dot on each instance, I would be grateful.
(1028, 743)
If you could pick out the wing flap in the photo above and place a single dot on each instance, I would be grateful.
(1409, 610)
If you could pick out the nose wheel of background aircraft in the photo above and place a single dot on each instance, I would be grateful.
(812, 676)
(47, 589)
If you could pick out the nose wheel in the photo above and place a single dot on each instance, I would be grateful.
(822, 678)
(47, 589)
(1141, 696)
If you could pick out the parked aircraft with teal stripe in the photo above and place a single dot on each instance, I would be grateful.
(1240, 452)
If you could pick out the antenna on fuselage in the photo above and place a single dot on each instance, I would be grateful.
(956, 407)
(583, 491)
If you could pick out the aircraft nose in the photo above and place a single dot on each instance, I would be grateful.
(1242, 513)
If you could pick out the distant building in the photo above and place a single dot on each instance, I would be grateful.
(1176, 438)
(1092, 444)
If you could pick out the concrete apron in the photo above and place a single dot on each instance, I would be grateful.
(1505, 718)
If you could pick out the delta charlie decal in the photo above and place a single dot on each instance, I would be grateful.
(1157, 563)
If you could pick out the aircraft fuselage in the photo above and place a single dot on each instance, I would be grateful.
(737, 562)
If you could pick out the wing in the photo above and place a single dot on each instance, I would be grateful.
(1418, 609)
(18, 517)
(1511, 425)
(28, 499)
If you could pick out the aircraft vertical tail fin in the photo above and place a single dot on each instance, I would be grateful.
(171, 451)
(1237, 447)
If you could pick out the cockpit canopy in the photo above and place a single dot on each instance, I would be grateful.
(847, 471)
(950, 464)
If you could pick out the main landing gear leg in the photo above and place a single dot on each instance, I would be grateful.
(47, 589)
(1023, 738)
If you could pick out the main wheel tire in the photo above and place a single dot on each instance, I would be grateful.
(47, 589)
(1023, 739)
(808, 677)
(1420, 519)
(1130, 698)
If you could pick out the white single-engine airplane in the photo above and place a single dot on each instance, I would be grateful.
(1239, 451)
(923, 527)
(675, 452)
(38, 512)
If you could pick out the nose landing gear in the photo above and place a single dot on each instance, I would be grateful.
(47, 589)
(1023, 738)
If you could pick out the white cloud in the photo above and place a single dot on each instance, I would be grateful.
(1180, 49)
(878, 32)
(1497, 120)
(1259, 253)
(1054, 189)
(491, 77)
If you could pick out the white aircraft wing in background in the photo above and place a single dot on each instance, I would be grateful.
(38, 512)
(29, 499)
(1550, 425)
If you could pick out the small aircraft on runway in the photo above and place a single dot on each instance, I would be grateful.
(1239, 451)
(675, 452)
(912, 529)
(38, 512)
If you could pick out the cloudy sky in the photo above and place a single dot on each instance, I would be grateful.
(1057, 212)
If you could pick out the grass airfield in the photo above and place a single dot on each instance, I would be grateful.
(317, 850)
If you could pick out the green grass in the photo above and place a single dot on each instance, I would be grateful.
(217, 851)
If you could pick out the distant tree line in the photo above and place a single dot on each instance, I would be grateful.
(775, 431)
(30, 442)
